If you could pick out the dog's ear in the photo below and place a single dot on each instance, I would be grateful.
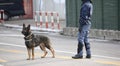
(28, 27)
(23, 25)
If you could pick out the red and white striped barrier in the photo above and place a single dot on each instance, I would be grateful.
(1, 16)
(47, 19)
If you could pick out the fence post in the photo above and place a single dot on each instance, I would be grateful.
(40, 19)
(46, 19)
(58, 22)
(1, 16)
(52, 20)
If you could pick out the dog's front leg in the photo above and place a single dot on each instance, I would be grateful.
(29, 53)
(33, 53)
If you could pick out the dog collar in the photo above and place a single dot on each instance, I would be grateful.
(29, 35)
(29, 40)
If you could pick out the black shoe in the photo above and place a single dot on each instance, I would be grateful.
(77, 57)
(88, 56)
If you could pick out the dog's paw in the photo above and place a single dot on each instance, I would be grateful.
(53, 56)
(28, 58)
(42, 56)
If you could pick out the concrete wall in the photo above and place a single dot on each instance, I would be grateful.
(94, 33)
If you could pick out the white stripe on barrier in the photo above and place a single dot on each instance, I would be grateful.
(0, 15)
(3, 15)
(35, 18)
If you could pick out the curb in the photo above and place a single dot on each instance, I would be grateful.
(33, 28)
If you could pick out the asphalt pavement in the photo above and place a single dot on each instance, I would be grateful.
(13, 51)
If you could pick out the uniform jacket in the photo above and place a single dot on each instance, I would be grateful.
(86, 11)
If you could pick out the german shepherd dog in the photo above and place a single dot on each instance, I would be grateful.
(32, 41)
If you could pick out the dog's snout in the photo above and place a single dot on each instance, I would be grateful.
(22, 32)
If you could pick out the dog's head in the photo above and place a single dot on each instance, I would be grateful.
(26, 30)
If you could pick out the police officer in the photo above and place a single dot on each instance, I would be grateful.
(84, 27)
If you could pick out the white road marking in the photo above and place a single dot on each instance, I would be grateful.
(13, 35)
(108, 57)
(7, 44)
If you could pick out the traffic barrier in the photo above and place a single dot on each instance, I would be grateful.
(47, 20)
(1, 16)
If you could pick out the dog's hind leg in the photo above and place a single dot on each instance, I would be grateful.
(29, 53)
(33, 53)
(53, 52)
(42, 46)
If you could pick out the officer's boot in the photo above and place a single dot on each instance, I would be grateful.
(79, 51)
(78, 48)
(88, 52)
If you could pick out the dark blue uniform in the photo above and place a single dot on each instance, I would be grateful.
(84, 27)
